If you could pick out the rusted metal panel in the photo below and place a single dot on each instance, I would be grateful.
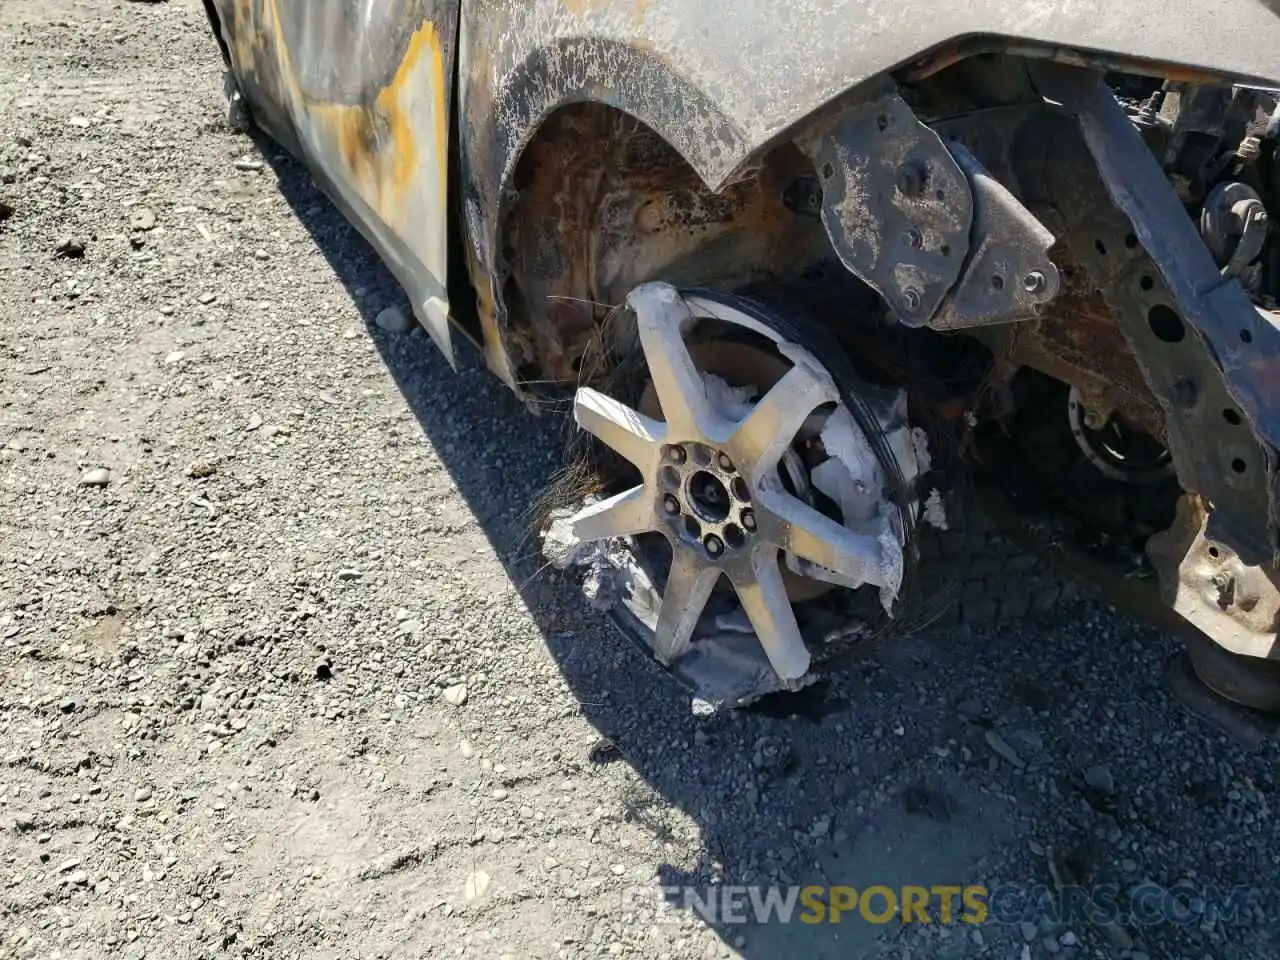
(606, 204)
(361, 90)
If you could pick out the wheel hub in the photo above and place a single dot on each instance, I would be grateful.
(711, 486)
(707, 501)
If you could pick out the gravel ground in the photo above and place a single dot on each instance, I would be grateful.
(281, 674)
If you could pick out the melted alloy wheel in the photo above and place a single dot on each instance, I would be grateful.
(711, 485)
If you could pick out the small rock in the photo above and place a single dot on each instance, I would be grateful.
(69, 705)
(254, 423)
(466, 750)
(477, 886)
(80, 123)
(68, 865)
(142, 795)
(348, 573)
(174, 358)
(199, 469)
(456, 695)
(324, 670)
(1029, 739)
(1099, 778)
(69, 248)
(7, 210)
(1001, 747)
(80, 878)
(98, 477)
(248, 164)
(500, 794)
(313, 795)
(393, 320)
(142, 219)
(207, 298)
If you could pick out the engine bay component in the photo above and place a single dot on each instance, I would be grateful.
(1234, 224)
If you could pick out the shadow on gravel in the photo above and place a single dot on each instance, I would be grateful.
(900, 775)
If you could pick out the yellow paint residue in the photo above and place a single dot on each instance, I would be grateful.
(379, 145)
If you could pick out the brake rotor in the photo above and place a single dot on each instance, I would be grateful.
(1118, 450)
(744, 365)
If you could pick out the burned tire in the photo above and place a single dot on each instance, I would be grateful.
(985, 578)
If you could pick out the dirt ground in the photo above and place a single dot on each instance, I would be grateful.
(289, 680)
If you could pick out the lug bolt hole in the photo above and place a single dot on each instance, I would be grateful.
(725, 463)
(669, 477)
(676, 454)
(671, 505)
(692, 528)
(740, 491)
(734, 536)
(714, 545)
(748, 520)
(700, 454)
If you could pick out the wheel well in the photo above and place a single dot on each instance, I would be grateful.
(605, 203)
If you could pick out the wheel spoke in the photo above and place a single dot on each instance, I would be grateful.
(764, 600)
(688, 586)
(630, 433)
(766, 433)
(682, 394)
(854, 558)
(628, 513)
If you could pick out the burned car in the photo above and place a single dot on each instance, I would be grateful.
(817, 273)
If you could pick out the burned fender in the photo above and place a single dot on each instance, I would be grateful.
(722, 83)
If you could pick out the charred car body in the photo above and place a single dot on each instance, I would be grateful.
(814, 266)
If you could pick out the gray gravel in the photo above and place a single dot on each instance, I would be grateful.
(281, 674)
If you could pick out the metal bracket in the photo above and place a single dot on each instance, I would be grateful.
(1215, 384)
(896, 205)
(1008, 275)
(1234, 603)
